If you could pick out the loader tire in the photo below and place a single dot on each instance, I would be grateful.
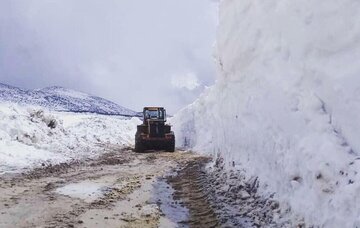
(171, 145)
(139, 145)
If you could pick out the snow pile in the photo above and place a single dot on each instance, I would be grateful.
(30, 136)
(286, 103)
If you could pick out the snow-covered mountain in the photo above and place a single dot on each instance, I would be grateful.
(285, 108)
(62, 99)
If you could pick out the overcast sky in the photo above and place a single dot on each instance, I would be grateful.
(133, 52)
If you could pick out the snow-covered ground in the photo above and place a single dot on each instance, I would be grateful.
(286, 105)
(32, 136)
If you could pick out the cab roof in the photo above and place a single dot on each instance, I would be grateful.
(153, 108)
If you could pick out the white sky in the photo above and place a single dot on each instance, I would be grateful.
(128, 51)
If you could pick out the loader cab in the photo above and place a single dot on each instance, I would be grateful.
(154, 114)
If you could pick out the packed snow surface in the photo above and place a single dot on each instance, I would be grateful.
(286, 105)
(33, 136)
(86, 190)
(62, 99)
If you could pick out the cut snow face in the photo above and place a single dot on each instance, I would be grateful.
(31, 136)
(285, 107)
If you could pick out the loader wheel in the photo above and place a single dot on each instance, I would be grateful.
(171, 145)
(139, 146)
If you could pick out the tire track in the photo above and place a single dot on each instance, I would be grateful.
(189, 189)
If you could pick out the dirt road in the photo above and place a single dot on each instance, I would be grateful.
(119, 189)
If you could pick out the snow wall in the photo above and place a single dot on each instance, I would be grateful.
(286, 104)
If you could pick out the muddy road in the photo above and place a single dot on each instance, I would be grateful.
(119, 189)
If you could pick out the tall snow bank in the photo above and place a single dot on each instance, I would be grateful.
(286, 104)
(30, 136)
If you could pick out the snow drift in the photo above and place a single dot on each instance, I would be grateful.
(286, 104)
(30, 136)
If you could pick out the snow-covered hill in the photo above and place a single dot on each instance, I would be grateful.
(286, 105)
(61, 99)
